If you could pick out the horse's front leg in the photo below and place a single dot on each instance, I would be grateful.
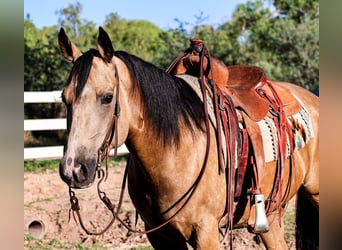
(206, 235)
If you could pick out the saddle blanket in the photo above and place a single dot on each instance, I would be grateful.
(302, 132)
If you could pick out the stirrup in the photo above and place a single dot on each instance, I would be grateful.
(261, 223)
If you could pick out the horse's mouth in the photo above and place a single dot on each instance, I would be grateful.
(78, 176)
(80, 186)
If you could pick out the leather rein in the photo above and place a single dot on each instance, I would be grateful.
(102, 175)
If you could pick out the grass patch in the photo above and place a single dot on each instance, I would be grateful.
(142, 248)
(32, 243)
(289, 226)
(41, 166)
(38, 201)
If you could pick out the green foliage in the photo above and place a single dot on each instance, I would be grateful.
(285, 46)
(292, 49)
(43, 165)
(39, 166)
(172, 43)
(70, 17)
(144, 39)
(298, 10)
(44, 68)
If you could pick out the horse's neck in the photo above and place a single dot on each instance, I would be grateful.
(166, 161)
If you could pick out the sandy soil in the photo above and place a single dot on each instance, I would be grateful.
(46, 198)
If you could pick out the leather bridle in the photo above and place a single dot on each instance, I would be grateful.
(104, 149)
(112, 132)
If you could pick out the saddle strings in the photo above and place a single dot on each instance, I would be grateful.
(283, 132)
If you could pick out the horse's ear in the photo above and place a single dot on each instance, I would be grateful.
(104, 45)
(69, 50)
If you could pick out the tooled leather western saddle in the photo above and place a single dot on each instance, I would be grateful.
(253, 97)
(241, 82)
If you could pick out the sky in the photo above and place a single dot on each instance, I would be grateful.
(161, 13)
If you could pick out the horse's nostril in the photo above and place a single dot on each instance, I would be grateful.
(69, 161)
(80, 173)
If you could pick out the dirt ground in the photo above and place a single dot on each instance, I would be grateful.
(46, 199)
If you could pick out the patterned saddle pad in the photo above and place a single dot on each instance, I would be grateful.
(302, 132)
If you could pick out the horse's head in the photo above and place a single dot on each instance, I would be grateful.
(91, 98)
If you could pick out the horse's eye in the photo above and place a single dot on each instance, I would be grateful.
(106, 99)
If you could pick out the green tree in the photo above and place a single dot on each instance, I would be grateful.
(291, 42)
(297, 10)
(172, 43)
(285, 43)
(43, 69)
(70, 17)
(138, 37)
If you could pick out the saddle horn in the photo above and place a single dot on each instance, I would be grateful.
(261, 223)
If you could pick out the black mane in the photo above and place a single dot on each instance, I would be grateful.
(167, 99)
(81, 69)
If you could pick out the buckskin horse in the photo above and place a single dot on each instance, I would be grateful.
(183, 183)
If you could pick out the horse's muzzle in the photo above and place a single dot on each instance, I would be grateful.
(77, 175)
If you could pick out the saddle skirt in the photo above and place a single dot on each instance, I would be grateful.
(243, 84)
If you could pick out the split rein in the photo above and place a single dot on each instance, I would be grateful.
(106, 147)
